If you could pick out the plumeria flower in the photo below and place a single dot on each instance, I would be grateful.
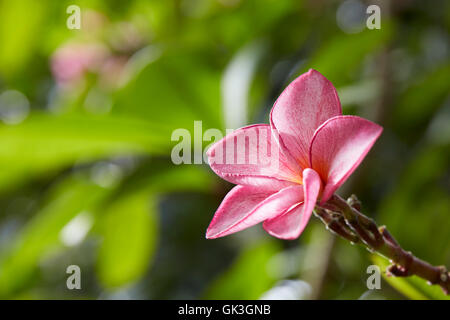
(316, 149)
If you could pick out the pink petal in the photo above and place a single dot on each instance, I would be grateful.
(246, 206)
(303, 106)
(251, 156)
(339, 146)
(292, 223)
(287, 225)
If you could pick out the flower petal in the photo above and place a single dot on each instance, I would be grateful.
(287, 225)
(303, 106)
(292, 223)
(243, 208)
(312, 185)
(251, 156)
(338, 147)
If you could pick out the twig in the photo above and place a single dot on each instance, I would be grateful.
(335, 224)
(344, 218)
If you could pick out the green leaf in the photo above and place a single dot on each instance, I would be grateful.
(427, 216)
(20, 22)
(128, 226)
(412, 287)
(47, 142)
(129, 231)
(419, 102)
(176, 90)
(338, 57)
(248, 277)
(41, 234)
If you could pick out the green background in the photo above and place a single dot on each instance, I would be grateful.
(86, 176)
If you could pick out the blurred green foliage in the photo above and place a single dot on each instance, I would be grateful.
(412, 287)
(86, 176)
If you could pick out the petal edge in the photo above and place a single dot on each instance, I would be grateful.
(272, 206)
(338, 147)
(302, 107)
(291, 224)
(251, 156)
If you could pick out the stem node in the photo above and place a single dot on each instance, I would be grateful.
(344, 218)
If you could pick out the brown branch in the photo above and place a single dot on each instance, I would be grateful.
(335, 224)
(344, 218)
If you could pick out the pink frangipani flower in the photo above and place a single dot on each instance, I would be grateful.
(317, 149)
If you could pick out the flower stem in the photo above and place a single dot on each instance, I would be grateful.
(344, 219)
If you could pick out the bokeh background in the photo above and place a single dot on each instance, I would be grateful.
(87, 115)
